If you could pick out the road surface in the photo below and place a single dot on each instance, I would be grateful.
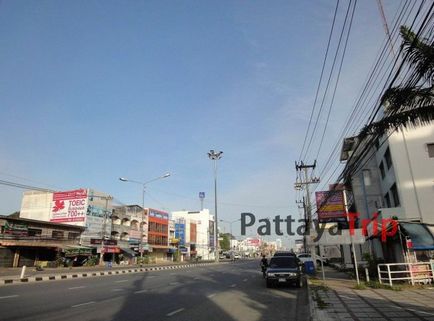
(224, 292)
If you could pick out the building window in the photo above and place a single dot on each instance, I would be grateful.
(57, 234)
(34, 232)
(394, 192)
(388, 158)
(387, 200)
(73, 236)
(430, 147)
(383, 173)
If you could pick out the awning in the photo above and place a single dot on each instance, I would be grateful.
(128, 251)
(421, 235)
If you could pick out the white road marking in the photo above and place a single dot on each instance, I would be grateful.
(120, 281)
(174, 312)
(77, 287)
(174, 283)
(81, 304)
(233, 285)
(117, 290)
(151, 276)
(211, 295)
(141, 291)
(245, 280)
(9, 296)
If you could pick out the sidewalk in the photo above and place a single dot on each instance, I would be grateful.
(12, 275)
(337, 299)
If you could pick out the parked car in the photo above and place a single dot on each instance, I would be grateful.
(235, 256)
(304, 257)
(284, 269)
(284, 253)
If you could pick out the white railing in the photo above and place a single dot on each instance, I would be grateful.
(411, 272)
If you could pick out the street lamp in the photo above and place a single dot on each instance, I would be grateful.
(123, 179)
(215, 157)
(230, 223)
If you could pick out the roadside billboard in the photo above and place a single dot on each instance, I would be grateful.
(69, 207)
(330, 206)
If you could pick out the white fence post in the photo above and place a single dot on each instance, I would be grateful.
(379, 274)
(411, 273)
(389, 275)
(23, 272)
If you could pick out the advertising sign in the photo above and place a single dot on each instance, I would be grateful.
(180, 233)
(69, 207)
(330, 205)
(211, 234)
(15, 229)
(158, 214)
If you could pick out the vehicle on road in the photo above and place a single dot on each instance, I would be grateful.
(284, 253)
(284, 269)
(235, 256)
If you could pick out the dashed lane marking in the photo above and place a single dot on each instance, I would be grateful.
(9, 296)
(211, 295)
(121, 281)
(174, 312)
(82, 304)
(141, 291)
(77, 287)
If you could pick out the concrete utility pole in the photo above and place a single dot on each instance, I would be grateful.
(303, 183)
(215, 157)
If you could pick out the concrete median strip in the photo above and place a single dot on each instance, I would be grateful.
(87, 274)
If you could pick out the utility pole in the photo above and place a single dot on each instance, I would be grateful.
(303, 183)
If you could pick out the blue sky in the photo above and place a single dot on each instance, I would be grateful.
(94, 90)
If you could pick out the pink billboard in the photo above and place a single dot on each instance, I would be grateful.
(330, 205)
(69, 206)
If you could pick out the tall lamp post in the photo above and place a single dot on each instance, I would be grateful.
(215, 156)
(123, 179)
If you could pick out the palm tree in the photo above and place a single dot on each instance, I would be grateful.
(412, 103)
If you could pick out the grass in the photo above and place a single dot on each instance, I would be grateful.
(316, 287)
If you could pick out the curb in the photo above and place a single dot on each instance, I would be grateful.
(98, 273)
(316, 314)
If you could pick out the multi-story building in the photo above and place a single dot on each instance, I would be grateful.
(395, 180)
(129, 228)
(197, 228)
(158, 233)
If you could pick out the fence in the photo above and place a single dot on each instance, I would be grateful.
(411, 272)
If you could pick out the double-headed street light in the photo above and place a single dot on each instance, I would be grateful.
(215, 156)
(230, 223)
(123, 179)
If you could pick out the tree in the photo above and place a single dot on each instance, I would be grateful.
(225, 243)
(412, 103)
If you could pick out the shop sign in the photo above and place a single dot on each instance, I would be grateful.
(16, 229)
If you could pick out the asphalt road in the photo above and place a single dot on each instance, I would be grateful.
(225, 292)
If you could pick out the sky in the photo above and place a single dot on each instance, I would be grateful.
(91, 91)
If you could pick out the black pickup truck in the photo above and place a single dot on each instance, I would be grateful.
(284, 269)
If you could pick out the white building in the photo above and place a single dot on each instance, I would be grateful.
(397, 181)
(199, 232)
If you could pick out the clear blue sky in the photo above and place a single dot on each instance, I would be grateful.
(94, 90)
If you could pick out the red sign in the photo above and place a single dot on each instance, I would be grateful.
(111, 249)
(409, 244)
(69, 207)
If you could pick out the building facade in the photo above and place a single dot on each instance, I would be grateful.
(198, 233)
(31, 242)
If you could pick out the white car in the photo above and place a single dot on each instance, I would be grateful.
(305, 257)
